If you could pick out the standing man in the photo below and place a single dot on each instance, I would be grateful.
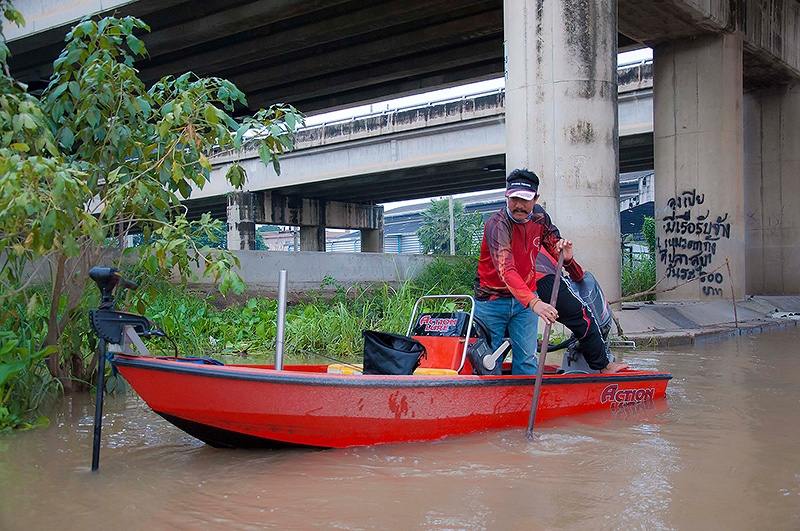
(507, 294)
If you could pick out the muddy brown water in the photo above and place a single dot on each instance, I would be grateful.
(722, 452)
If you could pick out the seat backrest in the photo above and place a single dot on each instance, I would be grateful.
(442, 352)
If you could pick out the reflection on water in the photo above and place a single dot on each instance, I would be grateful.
(723, 452)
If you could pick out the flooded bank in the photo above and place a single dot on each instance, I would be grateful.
(722, 452)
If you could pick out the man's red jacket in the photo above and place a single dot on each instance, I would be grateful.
(509, 254)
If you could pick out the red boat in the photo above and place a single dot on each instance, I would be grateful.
(303, 405)
(335, 406)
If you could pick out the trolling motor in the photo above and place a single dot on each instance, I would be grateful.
(114, 330)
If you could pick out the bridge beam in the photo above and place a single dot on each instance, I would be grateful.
(771, 189)
(313, 216)
(699, 166)
(561, 120)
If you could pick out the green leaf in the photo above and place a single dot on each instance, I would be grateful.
(237, 141)
(59, 90)
(27, 121)
(210, 114)
(177, 171)
(291, 120)
(75, 89)
(236, 176)
(67, 137)
(70, 245)
(204, 162)
(144, 106)
(49, 221)
(264, 153)
(135, 44)
(93, 116)
(7, 370)
(72, 56)
(185, 189)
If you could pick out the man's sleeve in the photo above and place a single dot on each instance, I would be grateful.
(498, 240)
(551, 235)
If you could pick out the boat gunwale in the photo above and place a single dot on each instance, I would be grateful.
(339, 380)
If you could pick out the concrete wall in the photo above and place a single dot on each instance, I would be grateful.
(698, 166)
(308, 270)
(772, 188)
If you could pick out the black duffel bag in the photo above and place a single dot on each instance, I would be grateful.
(386, 353)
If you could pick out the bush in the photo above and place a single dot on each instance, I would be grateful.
(638, 276)
(25, 382)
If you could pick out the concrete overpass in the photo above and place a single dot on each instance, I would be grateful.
(433, 149)
(316, 54)
(726, 101)
(437, 148)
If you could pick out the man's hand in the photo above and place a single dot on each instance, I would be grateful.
(544, 310)
(565, 246)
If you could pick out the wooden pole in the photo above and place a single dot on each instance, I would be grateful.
(537, 386)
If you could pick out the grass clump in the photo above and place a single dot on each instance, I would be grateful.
(638, 276)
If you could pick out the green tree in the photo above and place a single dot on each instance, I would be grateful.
(99, 155)
(218, 239)
(434, 233)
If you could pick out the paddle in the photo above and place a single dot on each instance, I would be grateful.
(537, 387)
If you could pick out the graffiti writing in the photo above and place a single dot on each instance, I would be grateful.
(712, 291)
(686, 200)
(689, 242)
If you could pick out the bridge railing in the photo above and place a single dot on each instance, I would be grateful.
(631, 78)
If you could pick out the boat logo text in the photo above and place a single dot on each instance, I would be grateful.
(437, 324)
(618, 397)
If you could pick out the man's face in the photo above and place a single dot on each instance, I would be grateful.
(520, 208)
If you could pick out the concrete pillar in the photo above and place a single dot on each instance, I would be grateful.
(561, 120)
(772, 186)
(697, 114)
(371, 240)
(241, 221)
(312, 238)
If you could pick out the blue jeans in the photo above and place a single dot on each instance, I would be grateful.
(508, 318)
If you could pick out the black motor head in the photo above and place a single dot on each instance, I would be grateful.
(107, 278)
(104, 275)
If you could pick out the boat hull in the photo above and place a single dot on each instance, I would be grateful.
(244, 406)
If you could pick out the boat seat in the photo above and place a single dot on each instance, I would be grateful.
(443, 352)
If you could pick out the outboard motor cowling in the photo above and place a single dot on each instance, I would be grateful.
(590, 293)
